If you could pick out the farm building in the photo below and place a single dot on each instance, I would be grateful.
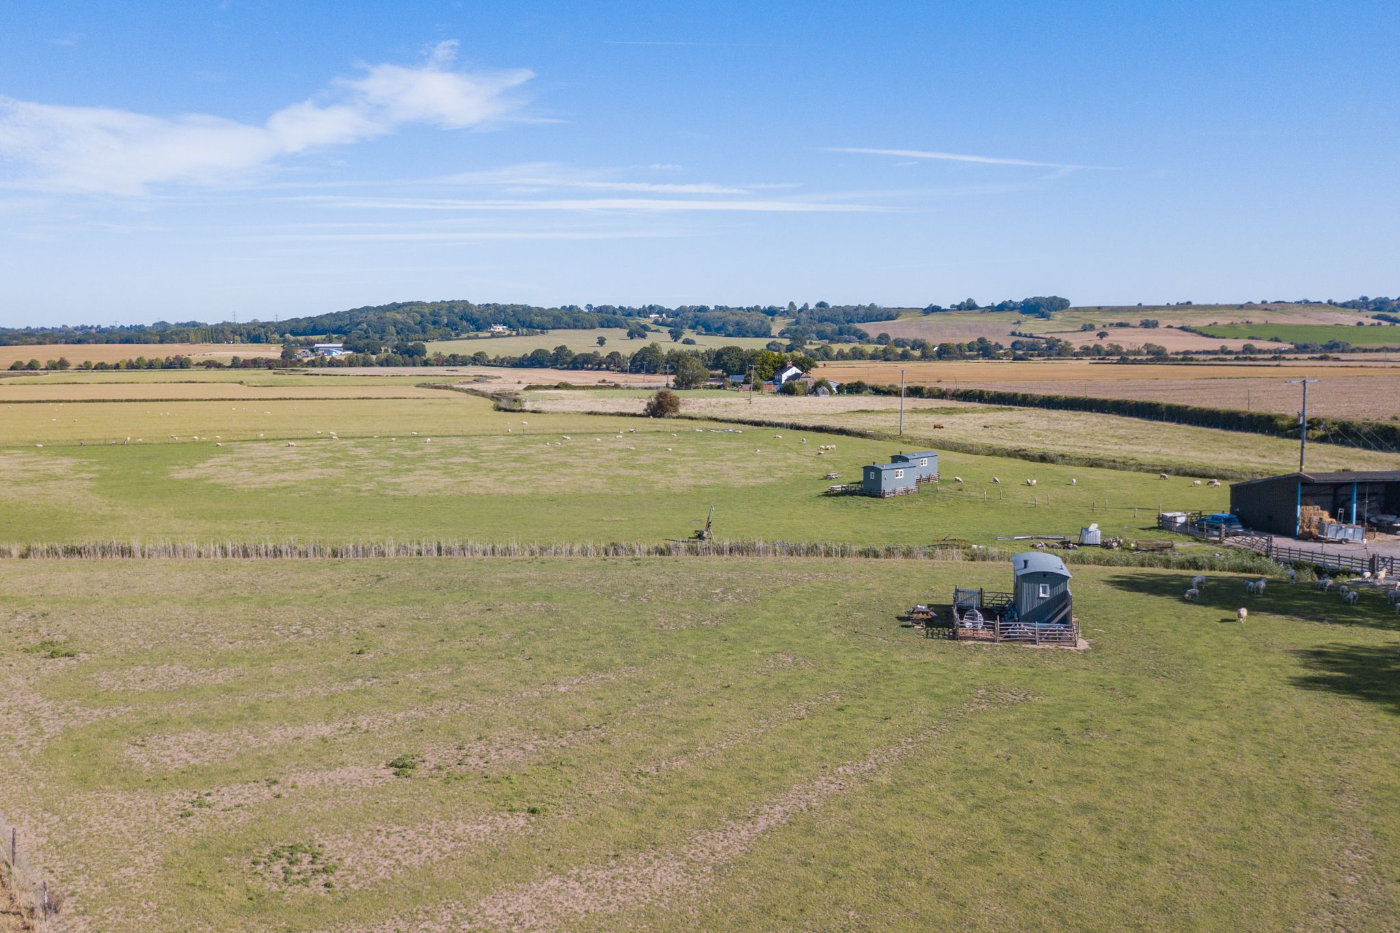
(1294, 504)
(329, 349)
(1039, 609)
(786, 374)
(924, 463)
(888, 479)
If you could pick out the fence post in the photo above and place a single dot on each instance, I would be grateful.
(13, 850)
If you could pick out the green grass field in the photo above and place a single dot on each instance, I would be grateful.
(1384, 335)
(451, 467)
(601, 744)
(695, 744)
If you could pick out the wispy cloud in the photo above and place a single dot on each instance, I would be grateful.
(954, 157)
(541, 176)
(102, 150)
(593, 205)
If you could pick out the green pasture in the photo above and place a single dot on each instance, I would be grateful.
(686, 743)
(451, 467)
(1382, 335)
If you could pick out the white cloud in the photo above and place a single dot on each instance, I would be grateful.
(91, 149)
(590, 205)
(953, 157)
(536, 176)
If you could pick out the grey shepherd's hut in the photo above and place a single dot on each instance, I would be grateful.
(1040, 591)
(1038, 610)
(888, 479)
(923, 462)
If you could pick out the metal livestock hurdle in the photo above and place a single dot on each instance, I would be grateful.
(1288, 554)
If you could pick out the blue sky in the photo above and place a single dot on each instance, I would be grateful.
(204, 160)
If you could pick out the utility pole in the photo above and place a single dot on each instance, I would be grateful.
(901, 403)
(1303, 421)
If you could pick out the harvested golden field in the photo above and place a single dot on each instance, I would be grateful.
(32, 390)
(1363, 390)
(76, 353)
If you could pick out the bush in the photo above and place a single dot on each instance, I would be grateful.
(663, 403)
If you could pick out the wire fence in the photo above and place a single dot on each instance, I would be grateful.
(28, 895)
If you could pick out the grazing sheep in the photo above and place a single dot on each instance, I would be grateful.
(1352, 597)
(1199, 581)
(1324, 583)
(1215, 482)
(1292, 575)
(1161, 476)
(1344, 590)
(957, 479)
(291, 443)
(1030, 482)
(1242, 613)
(1255, 587)
(1192, 594)
(1195, 482)
(1074, 481)
(996, 479)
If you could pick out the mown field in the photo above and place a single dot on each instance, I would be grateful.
(689, 743)
(940, 424)
(1384, 335)
(451, 467)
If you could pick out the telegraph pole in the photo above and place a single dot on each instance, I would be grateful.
(1303, 421)
(901, 403)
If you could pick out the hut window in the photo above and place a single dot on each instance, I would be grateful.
(899, 474)
(1044, 592)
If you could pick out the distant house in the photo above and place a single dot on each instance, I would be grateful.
(329, 349)
(498, 330)
(883, 480)
(923, 462)
(786, 374)
(822, 391)
(737, 382)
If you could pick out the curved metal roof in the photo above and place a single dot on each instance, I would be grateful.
(1037, 562)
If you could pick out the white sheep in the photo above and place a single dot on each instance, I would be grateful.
(1030, 482)
(1161, 476)
(1215, 482)
(996, 479)
(1198, 581)
(1292, 575)
(957, 479)
(1352, 597)
(1195, 482)
(1324, 583)
(1074, 481)
(1192, 594)
(1242, 613)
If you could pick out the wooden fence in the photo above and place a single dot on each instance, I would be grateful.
(36, 905)
(1289, 553)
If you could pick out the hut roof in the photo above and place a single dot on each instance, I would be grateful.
(1038, 562)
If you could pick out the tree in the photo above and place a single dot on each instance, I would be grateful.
(690, 373)
(602, 341)
(676, 333)
(663, 403)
